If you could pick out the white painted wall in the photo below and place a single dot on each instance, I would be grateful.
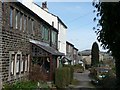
(62, 38)
(49, 18)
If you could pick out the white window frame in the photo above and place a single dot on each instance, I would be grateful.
(11, 63)
(18, 63)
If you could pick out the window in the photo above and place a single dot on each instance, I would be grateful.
(22, 64)
(52, 23)
(12, 64)
(54, 34)
(18, 63)
(33, 27)
(45, 33)
(11, 17)
(21, 16)
(16, 19)
(29, 25)
(25, 23)
(26, 62)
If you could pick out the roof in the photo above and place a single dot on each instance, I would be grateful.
(48, 49)
(86, 52)
(69, 43)
(75, 48)
(61, 22)
(34, 14)
(53, 15)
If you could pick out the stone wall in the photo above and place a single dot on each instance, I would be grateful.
(12, 41)
(16, 41)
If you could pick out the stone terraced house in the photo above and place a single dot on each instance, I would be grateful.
(71, 54)
(24, 38)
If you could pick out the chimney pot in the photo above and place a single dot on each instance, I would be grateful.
(44, 6)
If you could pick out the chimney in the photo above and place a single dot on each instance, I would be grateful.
(44, 6)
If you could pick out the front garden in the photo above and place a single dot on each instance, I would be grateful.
(63, 78)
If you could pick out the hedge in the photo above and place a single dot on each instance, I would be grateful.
(63, 77)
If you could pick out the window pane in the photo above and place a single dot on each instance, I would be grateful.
(29, 25)
(18, 64)
(25, 23)
(22, 65)
(54, 37)
(26, 63)
(16, 19)
(11, 16)
(46, 34)
(43, 32)
(12, 63)
(33, 27)
(21, 21)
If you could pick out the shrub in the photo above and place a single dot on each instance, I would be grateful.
(71, 71)
(78, 68)
(63, 77)
(37, 74)
(20, 85)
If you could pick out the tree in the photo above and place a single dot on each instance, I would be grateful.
(108, 30)
(95, 55)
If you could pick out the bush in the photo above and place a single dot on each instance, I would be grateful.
(20, 85)
(63, 77)
(37, 74)
(78, 68)
(71, 71)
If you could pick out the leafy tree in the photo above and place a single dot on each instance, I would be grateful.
(95, 55)
(108, 30)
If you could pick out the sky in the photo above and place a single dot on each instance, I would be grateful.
(78, 17)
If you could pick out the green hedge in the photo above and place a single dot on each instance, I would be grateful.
(63, 77)
(71, 71)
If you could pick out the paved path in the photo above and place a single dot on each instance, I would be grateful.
(84, 80)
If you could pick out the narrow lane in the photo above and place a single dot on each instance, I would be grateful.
(84, 80)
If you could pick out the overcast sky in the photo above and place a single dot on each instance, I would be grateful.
(78, 16)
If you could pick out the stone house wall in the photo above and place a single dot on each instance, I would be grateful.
(15, 42)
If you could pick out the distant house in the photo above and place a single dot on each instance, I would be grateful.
(25, 39)
(75, 56)
(103, 56)
(71, 53)
(86, 57)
